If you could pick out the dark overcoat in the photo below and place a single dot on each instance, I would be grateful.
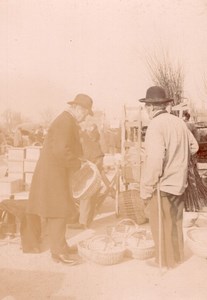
(50, 195)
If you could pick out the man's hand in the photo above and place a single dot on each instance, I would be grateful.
(146, 206)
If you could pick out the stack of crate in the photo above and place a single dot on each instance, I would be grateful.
(21, 166)
(16, 163)
(14, 182)
(32, 154)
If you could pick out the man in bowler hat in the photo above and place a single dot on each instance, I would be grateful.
(168, 144)
(50, 196)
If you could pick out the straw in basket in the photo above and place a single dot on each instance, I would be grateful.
(104, 251)
(140, 245)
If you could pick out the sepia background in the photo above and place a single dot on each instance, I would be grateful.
(51, 50)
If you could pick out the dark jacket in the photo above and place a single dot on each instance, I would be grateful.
(91, 145)
(50, 193)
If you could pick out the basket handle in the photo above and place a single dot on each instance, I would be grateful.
(129, 221)
(135, 233)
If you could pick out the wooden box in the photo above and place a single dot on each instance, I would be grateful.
(15, 166)
(29, 166)
(28, 180)
(33, 153)
(9, 186)
(16, 154)
(16, 175)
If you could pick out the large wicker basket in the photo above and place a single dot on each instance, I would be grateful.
(131, 206)
(86, 181)
(104, 251)
(197, 241)
(140, 245)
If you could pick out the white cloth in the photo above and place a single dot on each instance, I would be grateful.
(167, 145)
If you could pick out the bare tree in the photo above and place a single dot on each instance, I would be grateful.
(47, 116)
(12, 118)
(166, 74)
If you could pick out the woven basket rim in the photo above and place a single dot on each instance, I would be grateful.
(194, 231)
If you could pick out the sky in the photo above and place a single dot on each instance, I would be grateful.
(52, 50)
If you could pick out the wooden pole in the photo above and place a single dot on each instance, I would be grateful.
(159, 227)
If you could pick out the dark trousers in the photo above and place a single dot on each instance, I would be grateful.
(172, 247)
(56, 229)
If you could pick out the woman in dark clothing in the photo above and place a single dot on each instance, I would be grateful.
(92, 152)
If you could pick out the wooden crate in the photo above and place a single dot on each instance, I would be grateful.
(16, 175)
(29, 166)
(16, 154)
(9, 186)
(15, 166)
(33, 153)
(28, 180)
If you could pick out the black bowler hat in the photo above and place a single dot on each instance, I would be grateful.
(84, 101)
(155, 95)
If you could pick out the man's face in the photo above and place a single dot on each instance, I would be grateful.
(82, 113)
(149, 110)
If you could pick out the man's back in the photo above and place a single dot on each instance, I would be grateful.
(167, 150)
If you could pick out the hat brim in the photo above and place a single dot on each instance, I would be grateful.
(153, 101)
(90, 112)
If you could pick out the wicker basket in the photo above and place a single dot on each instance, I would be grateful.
(197, 241)
(121, 230)
(103, 250)
(86, 181)
(140, 245)
(83, 249)
(131, 206)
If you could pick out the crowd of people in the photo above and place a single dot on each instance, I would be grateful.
(21, 137)
(169, 147)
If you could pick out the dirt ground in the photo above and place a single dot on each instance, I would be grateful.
(36, 276)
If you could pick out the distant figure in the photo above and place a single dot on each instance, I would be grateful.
(191, 126)
(91, 146)
(2, 142)
(18, 138)
(90, 139)
(39, 136)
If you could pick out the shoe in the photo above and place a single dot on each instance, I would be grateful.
(77, 226)
(64, 258)
(73, 249)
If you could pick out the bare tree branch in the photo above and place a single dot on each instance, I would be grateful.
(167, 74)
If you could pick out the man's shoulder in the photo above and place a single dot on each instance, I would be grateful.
(65, 119)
